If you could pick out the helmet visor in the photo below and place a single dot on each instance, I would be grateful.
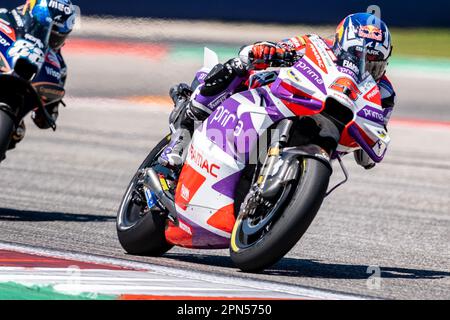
(363, 61)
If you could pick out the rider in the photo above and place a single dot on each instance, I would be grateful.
(353, 34)
(26, 17)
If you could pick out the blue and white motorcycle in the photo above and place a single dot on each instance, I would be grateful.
(31, 76)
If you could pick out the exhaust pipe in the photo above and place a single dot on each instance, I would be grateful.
(151, 181)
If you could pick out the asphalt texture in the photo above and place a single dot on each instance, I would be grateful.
(61, 190)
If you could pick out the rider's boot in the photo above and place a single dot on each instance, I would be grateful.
(183, 125)
(180, 127)
(220, 83)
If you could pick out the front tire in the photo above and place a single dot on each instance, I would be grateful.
(142, 235)
(294, 218)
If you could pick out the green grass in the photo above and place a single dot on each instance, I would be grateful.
(411, 46)
(15, 291)
(433, 43)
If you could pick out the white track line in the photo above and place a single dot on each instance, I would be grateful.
(262, 285)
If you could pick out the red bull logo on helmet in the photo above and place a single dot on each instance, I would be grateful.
(370, 32)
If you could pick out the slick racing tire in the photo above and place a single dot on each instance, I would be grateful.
(302, 199)
(6, 129)
(142, 234)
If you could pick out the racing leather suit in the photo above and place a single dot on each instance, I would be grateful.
(229, 78)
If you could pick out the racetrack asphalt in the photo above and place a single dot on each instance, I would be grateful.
(62, 190)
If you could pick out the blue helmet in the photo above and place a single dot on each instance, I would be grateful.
(59, 13)
(363, 37)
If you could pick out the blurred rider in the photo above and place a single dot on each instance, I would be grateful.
(358, 34)
(34, 14)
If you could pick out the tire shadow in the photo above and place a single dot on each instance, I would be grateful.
(7, 214)
(292, 267)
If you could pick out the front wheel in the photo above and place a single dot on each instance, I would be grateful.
(262, 238)
(6, 129)
(141, 231)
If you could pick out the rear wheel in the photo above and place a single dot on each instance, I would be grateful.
(142, 231)
(270, 229)
(6, 130)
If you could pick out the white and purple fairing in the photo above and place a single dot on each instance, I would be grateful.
(222, 146)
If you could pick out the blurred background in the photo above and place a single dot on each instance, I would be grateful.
(138, 49)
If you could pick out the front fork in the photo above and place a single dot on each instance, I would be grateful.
(282, 163)
(273, 154)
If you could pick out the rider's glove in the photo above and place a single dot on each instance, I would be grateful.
(268, 54)
(222, 75)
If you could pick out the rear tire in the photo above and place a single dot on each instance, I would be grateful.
(6, 130)
(146, 236)
(297, 215)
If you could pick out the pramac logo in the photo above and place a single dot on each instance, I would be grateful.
(198, 158)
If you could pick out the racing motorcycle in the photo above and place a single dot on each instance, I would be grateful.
(316, 112)
(30, 77)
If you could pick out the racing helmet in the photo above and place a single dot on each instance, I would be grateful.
(363, 44)
(59, 13)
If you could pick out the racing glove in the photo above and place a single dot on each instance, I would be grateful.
(222, 75)
(269, 54)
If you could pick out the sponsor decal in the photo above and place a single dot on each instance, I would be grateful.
(4, 42)
(314, 55)
(347, 72)
(292, 76)
(150, 197)
(53, 73)
(185, 192)
(46, 91)
(18, 18)
(60, 7)
(5, 28)
(373, 52)
(8, 31)
(331, 54)
(52, 59)
(203, 163)
(201, 76)
(184, 227)
(311, 74)
(373, 95)
(347, 87)
(350, 65)
(192, 181)
(382, 134)
(226, 119)
(35, 40)
(218, 101)
(372, 114)
(370, 32)
(29, 50)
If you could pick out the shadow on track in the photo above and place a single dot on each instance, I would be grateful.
(36, 216)
(291, 267)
